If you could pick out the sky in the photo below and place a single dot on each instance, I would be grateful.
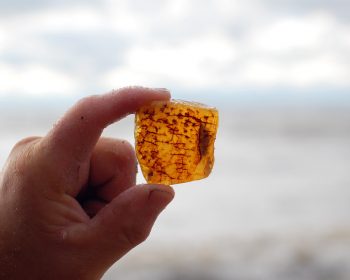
(51, 48)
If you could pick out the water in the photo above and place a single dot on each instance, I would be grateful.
(275, 207)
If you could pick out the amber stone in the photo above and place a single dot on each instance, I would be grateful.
(174, 141)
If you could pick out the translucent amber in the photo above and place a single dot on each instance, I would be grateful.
(175, 141)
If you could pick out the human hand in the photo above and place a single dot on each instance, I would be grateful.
(69, 207)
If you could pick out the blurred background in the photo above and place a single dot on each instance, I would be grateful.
(277, 204)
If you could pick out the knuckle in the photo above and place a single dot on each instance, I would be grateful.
(84, 109)
(128, 157)
(86, 102)
(22, 160)
(128, 151)
(135, 235)
(120, 151)
(25, 142)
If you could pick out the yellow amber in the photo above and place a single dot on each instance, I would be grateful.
(175, 141)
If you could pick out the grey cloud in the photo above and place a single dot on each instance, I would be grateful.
(85, 58)
(102, 50)
(8, 7)
(153, 7)
(339, 8)
(197, 19)
(83, 54)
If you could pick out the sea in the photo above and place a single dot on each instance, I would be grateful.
(275, 207)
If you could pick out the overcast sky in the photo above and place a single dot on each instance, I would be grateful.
(81, 47)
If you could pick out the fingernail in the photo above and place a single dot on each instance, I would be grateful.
(161, 90)
(163, 190)
(159, 199)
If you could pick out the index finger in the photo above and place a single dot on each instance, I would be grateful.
(76, 134)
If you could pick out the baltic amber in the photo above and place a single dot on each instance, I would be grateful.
(175, 141)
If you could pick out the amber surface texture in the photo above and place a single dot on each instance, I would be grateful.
(174, 141)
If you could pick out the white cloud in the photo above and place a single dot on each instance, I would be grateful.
(3, 39)
(306, 73)
(344, 36)
(192, 64)
(194, 44)
(295, 52)
(177, 9)
(34, 80)
(293, 33)
(54, 20)
(309, 51)
(122, 20)
(326, 70)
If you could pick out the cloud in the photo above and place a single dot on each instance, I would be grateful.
(317, 72)
(293, 33)
(193, 64)
(304, 51)
(337, 8)
(90, 51)
(52, 40)
(13, 7)
(35, 80)
(221, 45)
(296, 52)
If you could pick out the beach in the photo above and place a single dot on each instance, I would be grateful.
(276, 205)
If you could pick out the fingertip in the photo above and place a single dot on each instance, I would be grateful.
(143, 88)
(159, 196)
(164, 91)
(143, 93)
(166, 189)
(128, 219)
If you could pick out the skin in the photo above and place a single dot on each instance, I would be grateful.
(69, 207)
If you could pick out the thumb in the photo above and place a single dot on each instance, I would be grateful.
(126, 221)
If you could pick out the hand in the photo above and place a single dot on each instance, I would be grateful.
(69, 207)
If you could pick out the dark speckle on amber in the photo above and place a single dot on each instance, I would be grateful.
(175, 141)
